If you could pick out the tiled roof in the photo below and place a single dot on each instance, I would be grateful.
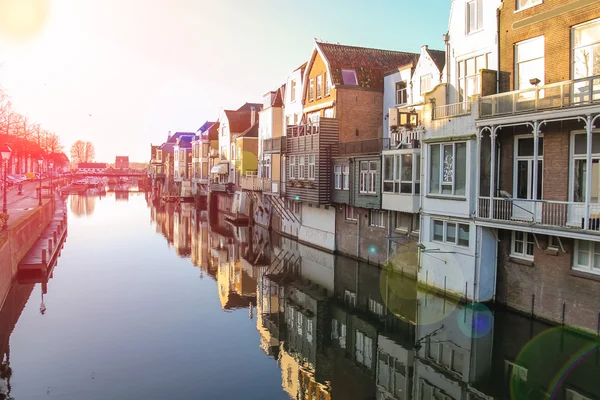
(438, 57)
(278, 99)
(369, 64)
(239, 121)
(251, 131)
(249, 106)
(213, 131)
(205, 126)
(173, 138)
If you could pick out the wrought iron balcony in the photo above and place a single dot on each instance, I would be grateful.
(573, 93)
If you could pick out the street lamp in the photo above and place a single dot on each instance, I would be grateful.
(5, 152)
(40, 162)
(51, 164)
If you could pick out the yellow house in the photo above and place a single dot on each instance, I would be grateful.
(247, 151)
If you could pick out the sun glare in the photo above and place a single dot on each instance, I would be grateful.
(22, 19)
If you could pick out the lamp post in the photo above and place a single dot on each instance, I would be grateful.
(5, 152)
(40, 162)
(51, 165)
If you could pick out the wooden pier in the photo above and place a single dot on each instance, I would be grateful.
(45, 251)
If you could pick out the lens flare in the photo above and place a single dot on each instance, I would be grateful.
(22, 19)
(475, 320)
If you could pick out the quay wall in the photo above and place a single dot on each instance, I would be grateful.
(16, 241)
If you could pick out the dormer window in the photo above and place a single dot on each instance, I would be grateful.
(474, 16)
(349, 77)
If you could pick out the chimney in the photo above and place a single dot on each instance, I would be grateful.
(424, 47)
(252, 116)
(169, 136)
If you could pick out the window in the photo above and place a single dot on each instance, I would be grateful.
(468, 76)
(292, 171)
(401, 173)
(350, 298)
(586, 50)
(311, 167)
(301, 169)
(309, 330)
(328, 112)
(529, 63)
(345, 177)
(474, 16)
(451, 233)
(368, 176)
(337, 177)
(351, 213)
(521, 4)
(377, 218)
(389, 185)
(290, 120)
(311, 90)
(293, 90)
(579, 167)
(319, 86)
(522, 245)
(326, 83)
(401, 93)
(403, 221)
(448, 169)
(376, 307)
(364, 349)
(586, 256)
(349, 77)
(426, 83)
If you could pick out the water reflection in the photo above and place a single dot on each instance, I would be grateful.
(333, 327)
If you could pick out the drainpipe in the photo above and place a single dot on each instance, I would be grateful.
(446, 38)
(498, 49)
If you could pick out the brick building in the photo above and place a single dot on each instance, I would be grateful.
(122, 162)
(537, 143)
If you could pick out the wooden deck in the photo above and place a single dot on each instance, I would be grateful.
(45, 251)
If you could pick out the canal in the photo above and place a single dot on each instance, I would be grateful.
(154, 301)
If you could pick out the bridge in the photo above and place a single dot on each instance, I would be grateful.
(113, 174)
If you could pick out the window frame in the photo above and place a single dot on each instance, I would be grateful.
(441, 182)
(345, 177)
(355, 76)
(350, 213)
(326, 85)
(524, 255)
(478, 6)
(517, 63)
(293, 91)
(311, 89)
(595, 21)
(429, 79)
(301, 167)
(367, 177)
(457, 237)
(521, 8)
(312, 167)
(319, 86)
(337, 177)
(464, 77)
(574, 157)
(401, 92)
(372, 221)
(292, 167)
(593, 250)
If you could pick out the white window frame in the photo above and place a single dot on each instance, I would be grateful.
(319, 83)
(292, 170)
(350, 213)
(376, 308)
(311, 89)
(424, 88)
(581, 157)
(457, 229)
(402, 93)
(311, 166)
(443, 183)
(574, 48)
(293, 91)
(301, 167)
(350, 298)
(593, 250)
(517, 62)
(337, 177)
(478, 21)
(363, 351)
(532, 3)
(373, 220)
(326, 85)
(368, 177)
(467, 78)
(345, 177)
(528, 239)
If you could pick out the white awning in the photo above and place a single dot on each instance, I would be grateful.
(220, 169)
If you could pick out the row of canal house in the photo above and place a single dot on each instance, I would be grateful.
(479, 151)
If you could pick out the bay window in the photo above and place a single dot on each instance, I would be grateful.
(586, 257)
(448, 169)
(368, 176)
(529, 63)
(337, 177)
(522, 244)
(401, 173)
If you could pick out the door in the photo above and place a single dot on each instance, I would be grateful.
(523, 206)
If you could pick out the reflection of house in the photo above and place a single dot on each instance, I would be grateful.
(182, 230)
(122, 162)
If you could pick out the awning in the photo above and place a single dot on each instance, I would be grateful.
(220, 169)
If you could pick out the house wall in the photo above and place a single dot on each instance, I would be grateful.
(359, 114)
(358, 238)
(293, 108)
(551, 280)
(339, 196)
(249, 157)
(555, 28)
(363, 199)
(389, 94)
(318, 226)
(425, 66)
(318, 67)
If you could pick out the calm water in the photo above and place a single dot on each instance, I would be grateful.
(149, 302)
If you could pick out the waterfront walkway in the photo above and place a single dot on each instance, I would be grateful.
(20, 206)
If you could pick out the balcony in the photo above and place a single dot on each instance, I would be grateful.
(406, 137)
(574, 93)
(274, 145)
(222, 187)
(253, 183)
(452, 110)
(364, 146)
(540, 213)
(313, 136)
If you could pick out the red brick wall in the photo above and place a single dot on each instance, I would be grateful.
(359, 109)
(553, 283)
(556, 31)
(556, 165)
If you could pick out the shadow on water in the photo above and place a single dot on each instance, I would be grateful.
(342, 329)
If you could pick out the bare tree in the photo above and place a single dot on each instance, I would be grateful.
(90, 152)
(51, 142)
(82, 152)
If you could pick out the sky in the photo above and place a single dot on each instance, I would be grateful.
(122, 73)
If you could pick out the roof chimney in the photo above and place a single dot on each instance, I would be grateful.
(424, 47)
(169, 135)
(252, 116)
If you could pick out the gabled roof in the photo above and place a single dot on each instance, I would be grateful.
(205, 127)
(239, 121)
(249, 106)
(438, 57)
(278, 99)
(369, 64)
(251, 131)
(213, 131)
(176, 135)
(168, 145)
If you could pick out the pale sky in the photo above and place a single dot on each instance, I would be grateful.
(144, 67)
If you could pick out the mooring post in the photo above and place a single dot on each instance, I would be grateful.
(598, 330)
(532, 303)
(563, 312)
(43, 256)
(466, 289)
(50, 245)
(445, 277)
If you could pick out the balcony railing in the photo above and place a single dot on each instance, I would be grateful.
(255, 183)
(364, 146)
(274, 145)
(406, 138)
(452, 110)
(548, 213)
(574, 93)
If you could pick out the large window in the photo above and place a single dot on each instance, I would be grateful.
(468, 76)
(586, 256)
(426, 83)
(579, 167)
(377, 218)
(586, 49)
(319, 86)
(529, 63)
(401, 93)
(451, 233)
(521, 4)
(401, 173)
(448, 168)
(326, 84)
(364, 349)
(337, 177)
(368, 176)
(311, 90)
(474, 16)
(345, 177)
(522, 244)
